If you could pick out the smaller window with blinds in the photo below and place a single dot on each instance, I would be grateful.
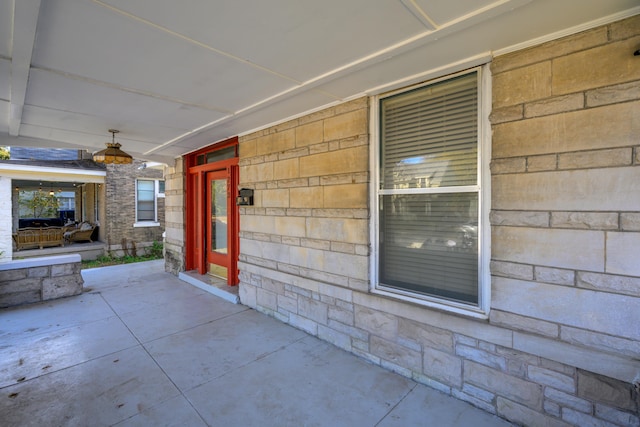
(146, 206)
(429, 194)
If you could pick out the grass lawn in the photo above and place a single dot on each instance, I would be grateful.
(106, 260)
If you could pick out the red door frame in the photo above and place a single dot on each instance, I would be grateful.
(195, 198)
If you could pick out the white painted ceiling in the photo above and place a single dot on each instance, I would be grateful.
(174, 76)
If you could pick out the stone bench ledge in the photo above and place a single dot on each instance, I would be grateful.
(33, 280)
(39, 262)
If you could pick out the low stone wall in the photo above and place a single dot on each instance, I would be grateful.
(33, 280)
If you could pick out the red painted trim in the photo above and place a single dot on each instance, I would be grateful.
(193, 239)
(198, 223)
(208, 167)
(234, 226)
(195, 198)
(190, 208)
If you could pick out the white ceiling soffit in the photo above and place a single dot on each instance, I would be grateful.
(30, 173)
(176, 76)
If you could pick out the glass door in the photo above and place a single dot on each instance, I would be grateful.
(217, 223)
(212, 242)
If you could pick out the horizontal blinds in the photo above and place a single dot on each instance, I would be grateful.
(146, 211)
(429, 244)
(146, 208)
(430, 136)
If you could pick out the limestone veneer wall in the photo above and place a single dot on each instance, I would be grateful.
(310, 216)
(565, 210)
(174, 242)
(561, 344)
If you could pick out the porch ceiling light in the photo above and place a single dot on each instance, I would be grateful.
(113, 153)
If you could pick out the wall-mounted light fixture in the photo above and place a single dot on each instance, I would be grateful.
(112, 154)
(245, 197)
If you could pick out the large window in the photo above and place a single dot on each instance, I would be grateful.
(429, 195)
(147, 193)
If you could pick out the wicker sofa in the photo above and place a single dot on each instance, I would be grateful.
(32, 238)
(81, 233)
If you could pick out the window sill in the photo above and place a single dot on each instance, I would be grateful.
(146, 224)
(434, 303)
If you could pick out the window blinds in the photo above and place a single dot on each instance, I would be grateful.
(146, 201)
(428, 240)
(430, 136)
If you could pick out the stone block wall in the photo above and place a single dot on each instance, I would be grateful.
(566, 188)
(39, 279)
(308, 228)
(120, 190)
(565, 208)
(174, 217)
(560, 346)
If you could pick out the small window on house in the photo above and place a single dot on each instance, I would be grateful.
(221, 154)
(217, 155)
(146, 201)
(160, 188)
(429, 196)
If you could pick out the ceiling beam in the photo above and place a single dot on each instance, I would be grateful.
(7, 140)
(12, 140)
(37, 173)
(420, 14)
(25, 21)
(490, 11)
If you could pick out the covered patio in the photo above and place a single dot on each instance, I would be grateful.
(141, 347)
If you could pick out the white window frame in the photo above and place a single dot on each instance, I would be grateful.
(156, 195)
(481, 310)
(160, 194)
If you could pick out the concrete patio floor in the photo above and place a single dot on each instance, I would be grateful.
(142, 348)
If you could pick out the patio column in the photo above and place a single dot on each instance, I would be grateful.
(6, 245)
